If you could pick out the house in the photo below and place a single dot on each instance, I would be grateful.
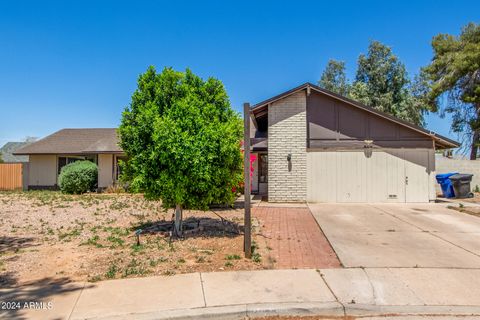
(317, 146)
(50, 154)
(9, 148)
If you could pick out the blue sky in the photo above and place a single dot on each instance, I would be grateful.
(70, 64)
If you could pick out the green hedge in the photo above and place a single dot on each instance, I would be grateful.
(78, 177)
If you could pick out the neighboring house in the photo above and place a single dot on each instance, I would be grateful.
(9, 148)
(50, 154)
(315, 145)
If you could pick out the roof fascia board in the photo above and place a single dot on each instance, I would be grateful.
(68, 153)
(309, 86)
(279, 97)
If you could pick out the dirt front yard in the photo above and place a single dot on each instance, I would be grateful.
(45, 234)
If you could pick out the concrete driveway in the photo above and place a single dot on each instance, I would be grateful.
(400, 235)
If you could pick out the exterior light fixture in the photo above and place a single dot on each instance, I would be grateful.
(368, 148)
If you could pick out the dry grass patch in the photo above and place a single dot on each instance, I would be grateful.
(92, 237)
(474, 211)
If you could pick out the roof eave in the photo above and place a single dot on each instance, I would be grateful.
(445, 142)
(67, 153)
(266, 102)
(102, 152)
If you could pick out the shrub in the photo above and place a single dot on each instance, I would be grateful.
(78, 177)
(115, 189)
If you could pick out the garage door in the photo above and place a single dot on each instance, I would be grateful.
(356, 176)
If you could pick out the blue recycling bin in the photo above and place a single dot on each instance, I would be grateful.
(446, 184)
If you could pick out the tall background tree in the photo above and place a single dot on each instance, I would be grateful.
(454, 73)
(334, 78)
(381, 82)
(182, 140)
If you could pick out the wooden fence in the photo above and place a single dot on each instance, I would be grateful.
(11, 176)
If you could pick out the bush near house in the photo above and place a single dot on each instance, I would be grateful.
(78, 177)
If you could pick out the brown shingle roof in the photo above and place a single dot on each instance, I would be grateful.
(75, 141)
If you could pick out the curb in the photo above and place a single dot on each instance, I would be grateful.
(425, 310)
(211, 313)
(296, 309)
(332, 309)
(236, 312)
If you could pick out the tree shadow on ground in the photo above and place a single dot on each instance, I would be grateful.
(194, 227)
(7, 279)
(40, 292)
(9, 247)
(14, 244)
(255, 199)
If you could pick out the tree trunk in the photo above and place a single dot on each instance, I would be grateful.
(476, 134)
(178, 220)
(474, 150)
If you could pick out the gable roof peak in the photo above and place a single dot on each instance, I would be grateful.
(260, 107)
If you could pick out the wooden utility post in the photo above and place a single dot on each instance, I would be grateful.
(247, 246)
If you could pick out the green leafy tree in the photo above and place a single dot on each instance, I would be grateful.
(1, 159)
(454, 73)
(334, 78)
(182, 140)
(382, 82)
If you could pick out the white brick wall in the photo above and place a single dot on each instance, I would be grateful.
(287, 134)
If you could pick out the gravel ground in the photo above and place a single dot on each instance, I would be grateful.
(48, 235)
(475, 199)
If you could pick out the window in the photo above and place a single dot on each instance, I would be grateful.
(63, 161)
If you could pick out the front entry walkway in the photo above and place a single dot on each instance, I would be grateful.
(295, 239)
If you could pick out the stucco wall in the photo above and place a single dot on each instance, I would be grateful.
(287, 134)
(445, 165)
(43, 170)
(105, 170)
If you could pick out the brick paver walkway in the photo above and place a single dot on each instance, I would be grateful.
(295, 238)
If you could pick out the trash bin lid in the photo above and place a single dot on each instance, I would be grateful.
(445, 175)
(461, 176)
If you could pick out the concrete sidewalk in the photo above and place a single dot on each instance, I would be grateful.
(235, 295)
